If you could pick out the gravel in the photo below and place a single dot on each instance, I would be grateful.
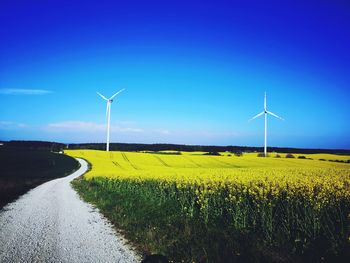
(52, 224)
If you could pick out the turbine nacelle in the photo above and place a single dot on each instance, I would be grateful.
(266, 112)
(110, 100)
(108, 113)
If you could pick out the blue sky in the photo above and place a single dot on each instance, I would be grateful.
(194, 71)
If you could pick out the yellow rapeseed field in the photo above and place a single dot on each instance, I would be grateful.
(261, 176)
(282, 200)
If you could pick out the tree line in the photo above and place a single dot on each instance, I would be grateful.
(131, 147)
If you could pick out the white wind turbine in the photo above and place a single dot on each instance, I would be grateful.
(108, 113)
(265, 112)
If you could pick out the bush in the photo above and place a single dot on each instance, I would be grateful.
(261, 155)
(163, 152)
(289, 155)
(278, 156)
(238, 154)
(301, 157)
(340, 161)
(322, 159)
(212, 153)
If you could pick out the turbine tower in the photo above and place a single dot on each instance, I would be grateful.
(265, 112)
(108, 113)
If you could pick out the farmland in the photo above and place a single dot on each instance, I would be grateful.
(207, 208)
(23, 168)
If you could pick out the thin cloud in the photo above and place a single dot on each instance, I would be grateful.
(25, 91)
(163, 132)
(12, 125)
(81, 126)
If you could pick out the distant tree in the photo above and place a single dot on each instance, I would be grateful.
(301, 157)
(289, 155)
(262, 155)
(238, 153)
(278, 156)
(322, 159)
(212, 153)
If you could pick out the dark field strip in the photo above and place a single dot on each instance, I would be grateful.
(23, 169)
(11, 189)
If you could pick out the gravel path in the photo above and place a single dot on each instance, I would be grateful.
(52, 224)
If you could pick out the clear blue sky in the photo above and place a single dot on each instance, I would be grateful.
(194, 71)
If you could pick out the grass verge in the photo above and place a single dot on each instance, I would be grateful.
(156, 220)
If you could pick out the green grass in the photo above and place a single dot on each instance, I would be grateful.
(159, 227)
(151, 215)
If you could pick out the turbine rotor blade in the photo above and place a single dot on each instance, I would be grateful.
(116, 94)
(265, 101)
(256, 116)
(271, 113)
(103, 97)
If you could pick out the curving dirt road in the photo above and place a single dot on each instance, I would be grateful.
(52, 224)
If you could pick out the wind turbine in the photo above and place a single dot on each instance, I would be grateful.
(265, 112)
(108, 113)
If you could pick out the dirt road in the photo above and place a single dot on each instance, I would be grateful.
(52, 224)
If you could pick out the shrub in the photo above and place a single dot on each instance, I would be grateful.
(278, 156)
(301, 157)
(238, 154)
(212, 153)
(289, 155)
